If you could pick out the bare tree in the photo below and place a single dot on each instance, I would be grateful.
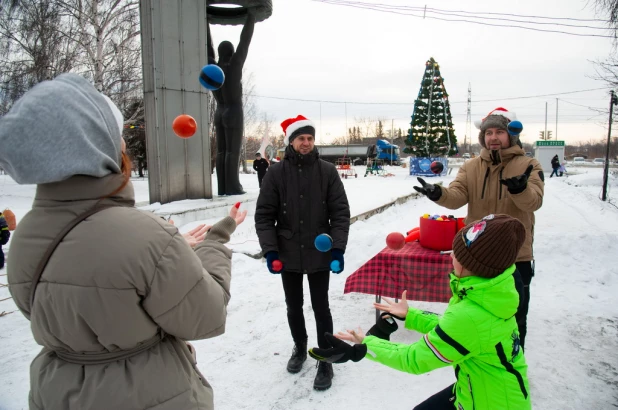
(366, 127)
(607, 70)
(608, 8)
(99, 39)
(250, 113)
(108, 36)
(135, 137)
(277, 141)
(35, 45)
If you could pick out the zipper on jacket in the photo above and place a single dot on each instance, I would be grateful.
(485, 183)
(471, 395)
(500, 185)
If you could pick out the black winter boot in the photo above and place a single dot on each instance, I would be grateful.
(299, 355)
(323, 380)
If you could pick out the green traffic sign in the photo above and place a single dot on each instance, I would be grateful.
(550, 143)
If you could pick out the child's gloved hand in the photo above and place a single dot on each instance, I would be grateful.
(384, 327)
(341, 352)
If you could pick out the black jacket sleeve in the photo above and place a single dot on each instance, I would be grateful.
(266, 211)
(338, 209)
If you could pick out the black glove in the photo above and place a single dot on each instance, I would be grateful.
(518, 184)
(433, 192)
(341, 352)
(270, 258)
(383, 327)
(337, 255)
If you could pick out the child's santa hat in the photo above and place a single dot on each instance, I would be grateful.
(293, 127)
(499, 118)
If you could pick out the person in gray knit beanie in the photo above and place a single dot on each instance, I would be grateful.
(120, 290)
(486, 248)
(58, 129)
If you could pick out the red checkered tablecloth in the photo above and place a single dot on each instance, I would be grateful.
(422, 272)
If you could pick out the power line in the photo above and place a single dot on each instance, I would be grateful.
(469, 12)
(543, 95)
(425, 16)
(585, 106)
(412, 103)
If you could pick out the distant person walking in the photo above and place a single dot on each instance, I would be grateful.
(555, 165)
(260, 165)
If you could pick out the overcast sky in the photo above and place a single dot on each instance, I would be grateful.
(311, 50)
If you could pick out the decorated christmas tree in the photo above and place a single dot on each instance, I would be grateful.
(431, 133)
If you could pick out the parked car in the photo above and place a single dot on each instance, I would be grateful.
(579, 160)
(466, 156)
(599, 160)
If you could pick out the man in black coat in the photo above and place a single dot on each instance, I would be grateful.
(261, 166)
(302, 197)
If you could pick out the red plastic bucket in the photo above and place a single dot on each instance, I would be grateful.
(437, 235)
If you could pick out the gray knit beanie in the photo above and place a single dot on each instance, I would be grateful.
(58, 129)
(489, 246)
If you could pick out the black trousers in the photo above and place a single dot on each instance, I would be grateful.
(260, 178)
(318, 289)
(443, 400)
(526, 271)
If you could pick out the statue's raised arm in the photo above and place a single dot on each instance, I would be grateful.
(245, 40)
(210, 50)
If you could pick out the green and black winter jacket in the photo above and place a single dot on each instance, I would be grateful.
(477, 335)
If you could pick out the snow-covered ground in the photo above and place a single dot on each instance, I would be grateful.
(572, 344)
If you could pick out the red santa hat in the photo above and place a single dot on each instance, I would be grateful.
(293, 127)
(510, 116)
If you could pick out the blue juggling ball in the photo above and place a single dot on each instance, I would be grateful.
(212, 77)
(323, 242)
(514, 128)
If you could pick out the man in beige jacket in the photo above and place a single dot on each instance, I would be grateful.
(123, 290)
(502, 180)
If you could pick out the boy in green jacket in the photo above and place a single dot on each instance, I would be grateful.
(477, 334)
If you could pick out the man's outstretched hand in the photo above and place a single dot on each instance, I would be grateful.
(519, 183)
(433, 192)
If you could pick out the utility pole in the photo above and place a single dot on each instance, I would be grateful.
(321, 123)
(557, 120)
(392, 141)
(613, 101)
(347, 148)
(545, 135)
(468, 120)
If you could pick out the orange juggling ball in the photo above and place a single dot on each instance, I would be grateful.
(184, 126)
